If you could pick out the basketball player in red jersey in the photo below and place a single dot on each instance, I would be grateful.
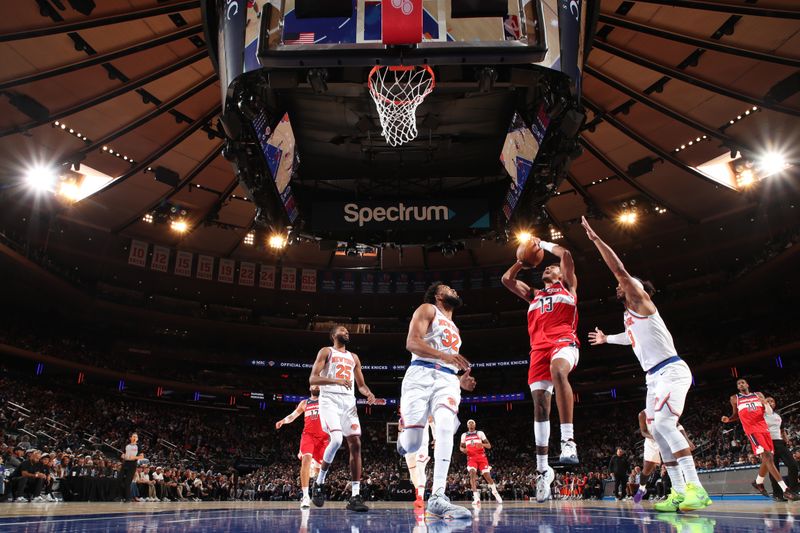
(749, 408)
(313, 441)
(474, 444)
(334, 372)
(552, 318)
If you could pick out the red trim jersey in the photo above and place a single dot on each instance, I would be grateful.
(311, 422)
(751, 413)
(552, 317)
(473, 440)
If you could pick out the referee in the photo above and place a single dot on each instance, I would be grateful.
(781, 451)
(130, 460)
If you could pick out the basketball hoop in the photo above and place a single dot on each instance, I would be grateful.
(397, 92)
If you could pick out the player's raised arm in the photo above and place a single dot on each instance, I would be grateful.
(319, 366)
(567, 265)
(634, 292)
(415, 341)
(360, 383)
(597, 337)
(734, 415)
(517, 287)
(288, 419)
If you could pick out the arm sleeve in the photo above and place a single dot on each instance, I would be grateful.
(618, 338)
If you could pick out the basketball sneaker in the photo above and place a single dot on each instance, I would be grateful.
(543, 481)
(695, 498)
(760, 488)
(671, 503)
(439, 506)
(637, 498)
(357, 504)
(569, 452)
(790, 496)
(318, 494)
(305, 503)
(497, 496)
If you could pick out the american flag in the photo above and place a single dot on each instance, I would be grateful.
(299, 38)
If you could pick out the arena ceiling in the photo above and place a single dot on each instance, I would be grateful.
(131, 87)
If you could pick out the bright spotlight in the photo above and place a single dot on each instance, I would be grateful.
(772, 163)
(277, 241)
(524, 236)
(180, 226)
(627, 218)
(746, 178)
(41, 178)
(70, 191)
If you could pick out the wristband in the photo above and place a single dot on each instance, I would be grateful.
(544, 245)
(619, 338)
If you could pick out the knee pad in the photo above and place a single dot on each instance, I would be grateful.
(445, 423)
(667, 435)
(541, 433)
(411, 439)
(333, 446)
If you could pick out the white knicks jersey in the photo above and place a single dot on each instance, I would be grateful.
(650, 339)
(340, 366)
(442, 335)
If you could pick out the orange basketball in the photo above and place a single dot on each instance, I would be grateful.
(530, 253)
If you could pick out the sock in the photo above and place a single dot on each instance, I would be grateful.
(305, 492)
(676, 477)
(567, 432)
(782, 485)
(541, 463)
(476, 495)
(760, 480)
(686, 465)
(321, 476)
(421, 491)
(356, 488)
(493, 488)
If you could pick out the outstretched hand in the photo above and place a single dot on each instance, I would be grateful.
(597, 337)
(467, 381)
(589, 231)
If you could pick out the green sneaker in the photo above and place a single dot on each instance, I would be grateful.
(695, 498)
(671, 504)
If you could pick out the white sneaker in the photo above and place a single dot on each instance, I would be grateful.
(569, 452)
(305, 503)
(543, 481)
(39, 499)
(497, 497)
(476, 503)
(439, 506)
(21, 499)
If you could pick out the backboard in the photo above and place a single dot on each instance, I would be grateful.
(285, 39)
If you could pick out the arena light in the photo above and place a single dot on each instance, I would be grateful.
(627, 218)
(745, 178)
(277, 241)
(148, 218)
(523, 236)
(41, 178)
(69, 190)
(250, 238)
(772, 163)
(179, 225)
(555, 234)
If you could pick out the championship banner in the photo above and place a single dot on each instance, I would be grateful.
(266, 277)
(138, 254)
(402, 284)
(476, 279)
(328, 283)
(419, 283)
(160, 260)
(288, 279)
(247, 274)
(384, 283)
(205, 267)
(401, 21)
(367, 283)
(308, 281)
(348, 282)
(225, 271)
(183, 264)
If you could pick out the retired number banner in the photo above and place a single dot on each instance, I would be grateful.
(138, 254)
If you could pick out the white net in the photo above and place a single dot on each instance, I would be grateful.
(397, 92)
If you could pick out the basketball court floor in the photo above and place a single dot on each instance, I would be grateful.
(234, 517)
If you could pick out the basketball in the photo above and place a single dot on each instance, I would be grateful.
(530, 253)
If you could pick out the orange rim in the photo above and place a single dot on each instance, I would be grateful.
(400, 68)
